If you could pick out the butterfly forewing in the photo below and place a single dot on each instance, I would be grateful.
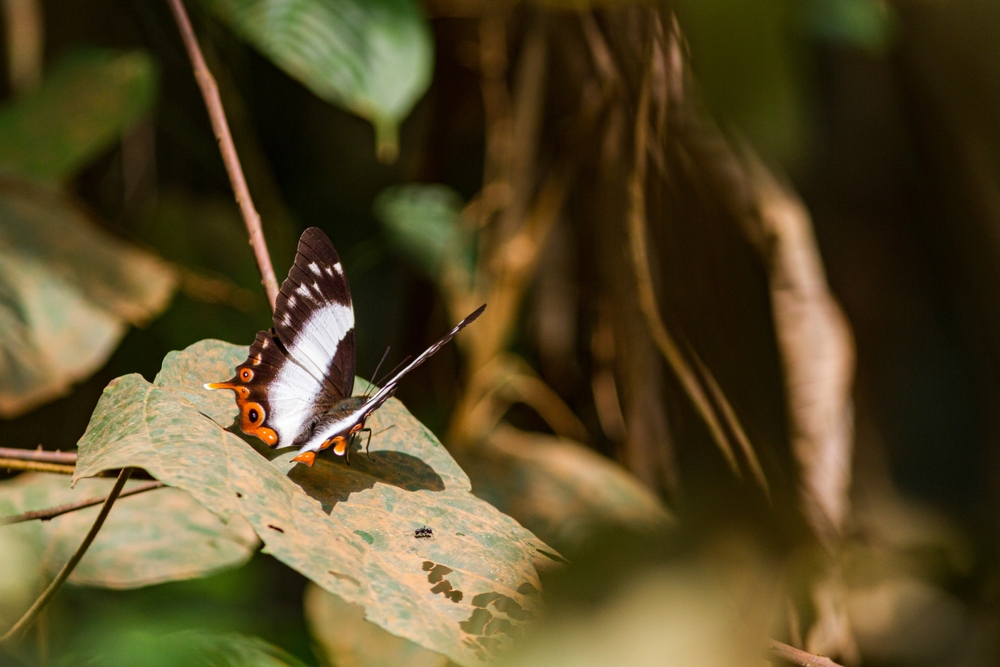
(303, 366)
(314, 317)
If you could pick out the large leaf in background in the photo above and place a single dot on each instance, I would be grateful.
(373, 57)
(424, 223)
(559, 489)
(347, 639)
(149, 538)
(714, 611)
(190, 648)
(84, 105)
(68, 290)
(462, 593)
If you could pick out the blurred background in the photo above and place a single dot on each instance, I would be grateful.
(742, 261)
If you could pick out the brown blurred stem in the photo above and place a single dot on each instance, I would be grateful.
(651, 312)
(798, 656)
(35, 466)
(70, 565)
(52, 512)
(213, 102)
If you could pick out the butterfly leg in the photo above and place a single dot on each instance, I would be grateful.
(368, 442)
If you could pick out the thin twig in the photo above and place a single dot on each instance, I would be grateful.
(799, 657)
(52, 512)
(68, 568)
(36, 466)
(67, 458)
(213, 102)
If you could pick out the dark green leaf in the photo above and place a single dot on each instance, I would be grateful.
(424, 223)
(84, 106)
(349, 529)
(190, 648)
(68, 291)
(871, 25)
(373, 57)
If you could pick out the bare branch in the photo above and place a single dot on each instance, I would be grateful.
(213, 102)
(52, 512)
(66, 458)
(68, 568)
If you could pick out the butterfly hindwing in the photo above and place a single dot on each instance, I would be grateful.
(273, 393)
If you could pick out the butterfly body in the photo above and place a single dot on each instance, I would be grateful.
(294, 389)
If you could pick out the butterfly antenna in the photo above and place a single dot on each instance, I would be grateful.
(378, 366)
(390, 373)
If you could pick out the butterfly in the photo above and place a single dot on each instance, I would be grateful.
(295, 387)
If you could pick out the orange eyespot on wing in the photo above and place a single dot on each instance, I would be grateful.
(246, 374)
(252, 415)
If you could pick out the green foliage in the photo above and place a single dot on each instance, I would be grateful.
(68, 290)
(191, 648)
(349, 529)
(373, 57)
(84, 105)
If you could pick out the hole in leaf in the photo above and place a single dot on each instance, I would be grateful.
(445, 589)
(527, 589)
(436, 572)
(475, 624)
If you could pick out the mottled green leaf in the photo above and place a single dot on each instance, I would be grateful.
(84, 105)
(464, 592)
(373, 57)
(424, 222)
(559, 489)
(346, 638)
(68, 290)
(190, 648)
(149, 538)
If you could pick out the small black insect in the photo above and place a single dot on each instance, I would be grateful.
(423, 533)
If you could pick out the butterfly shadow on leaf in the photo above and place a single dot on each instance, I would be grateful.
(330, 481)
